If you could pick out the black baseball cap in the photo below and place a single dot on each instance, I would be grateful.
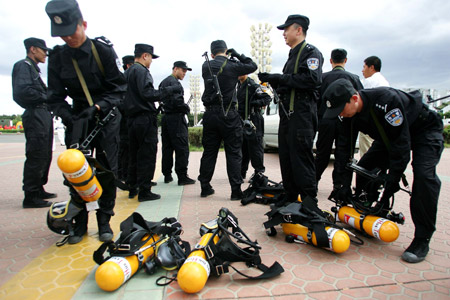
(181, 64)
(336, 96)
(144, 48)
(64, 16)
(32, 41)
(218, 45)
(299, 19)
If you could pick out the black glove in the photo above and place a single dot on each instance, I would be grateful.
(273, 79)
(391, 186)
(89, 113)
(233, 53)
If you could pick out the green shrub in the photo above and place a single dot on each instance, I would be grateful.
(195, 136)
(11, 131)
(447, 134)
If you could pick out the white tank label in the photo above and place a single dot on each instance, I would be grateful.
(90, 192)
(331, 232)
(80, 172)
(201, 261)
(349, 220)
(124, 265)
(377, 226)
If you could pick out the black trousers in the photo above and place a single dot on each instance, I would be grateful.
(328, 134)
(295, 144)
(252, 146)
(174, 136)
(123, 158)
(143, 135)
(218, 128)
(38, 127)
(427, 145)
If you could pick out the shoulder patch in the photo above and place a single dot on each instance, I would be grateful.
(104, 40)
(313, 63)
(394, 117)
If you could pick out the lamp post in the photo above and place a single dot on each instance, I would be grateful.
(261, 43)
(194, 83)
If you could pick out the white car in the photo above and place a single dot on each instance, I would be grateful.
(271, 122)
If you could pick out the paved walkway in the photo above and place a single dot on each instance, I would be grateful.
(34, 268)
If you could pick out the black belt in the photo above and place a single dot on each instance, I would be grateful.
(144, 113)
(42, 105)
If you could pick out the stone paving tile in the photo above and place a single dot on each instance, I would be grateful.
(371, 271)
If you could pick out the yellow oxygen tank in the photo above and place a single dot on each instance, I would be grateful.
(195, 271)
(339, 240)
(114, 272)
(380, 228)
(77, 170)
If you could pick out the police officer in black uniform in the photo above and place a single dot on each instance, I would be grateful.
(127, 61)
(141, 111)
(399, 123)
(328, 133)
(221, 121)
(98, 67)
(252, 99)
(174, 128)
(298, 88)
(30, 92)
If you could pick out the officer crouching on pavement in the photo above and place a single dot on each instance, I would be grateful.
(252, 99)
(221, 121)
(30, 92)
(399, 123)
(86, 70)
(174, 128)
(298, 88)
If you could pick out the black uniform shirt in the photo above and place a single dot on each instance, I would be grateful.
(227, 79)
(329, 77)
(257, 98)
(141, 94)
(28, 88)
(106, 90)
(174, 103)
(309, 71)
(396, 111)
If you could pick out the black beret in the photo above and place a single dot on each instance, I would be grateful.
(64, 16)
(338, 55)
(336, 96)
(144, 48)
(298, 19)
(32, 41)
(181, 64)
(218, 45)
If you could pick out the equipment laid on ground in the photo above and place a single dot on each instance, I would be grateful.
(141, 244)
(216, 251)
(263, 190)
(377, 227)
(304, 222)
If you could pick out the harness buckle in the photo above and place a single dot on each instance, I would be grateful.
(140, 257)
(124, 247)
(287, 218)
(221, 269)
(208, 251)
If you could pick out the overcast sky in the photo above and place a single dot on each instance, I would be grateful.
(412, 38)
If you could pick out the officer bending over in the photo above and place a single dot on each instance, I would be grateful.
(221, 121)
(252, 99)
(85, 70)
(174, 128)
(399, 123)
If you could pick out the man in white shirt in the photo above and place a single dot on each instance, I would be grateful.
(372, 79)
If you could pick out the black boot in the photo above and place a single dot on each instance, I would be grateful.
(168, 178)
(105, 232)
(206, 190)
(33, 200)
(236, 194)
(46, 195)
(147, 195)
(185, 180)
(417, 251)
(79, 228)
